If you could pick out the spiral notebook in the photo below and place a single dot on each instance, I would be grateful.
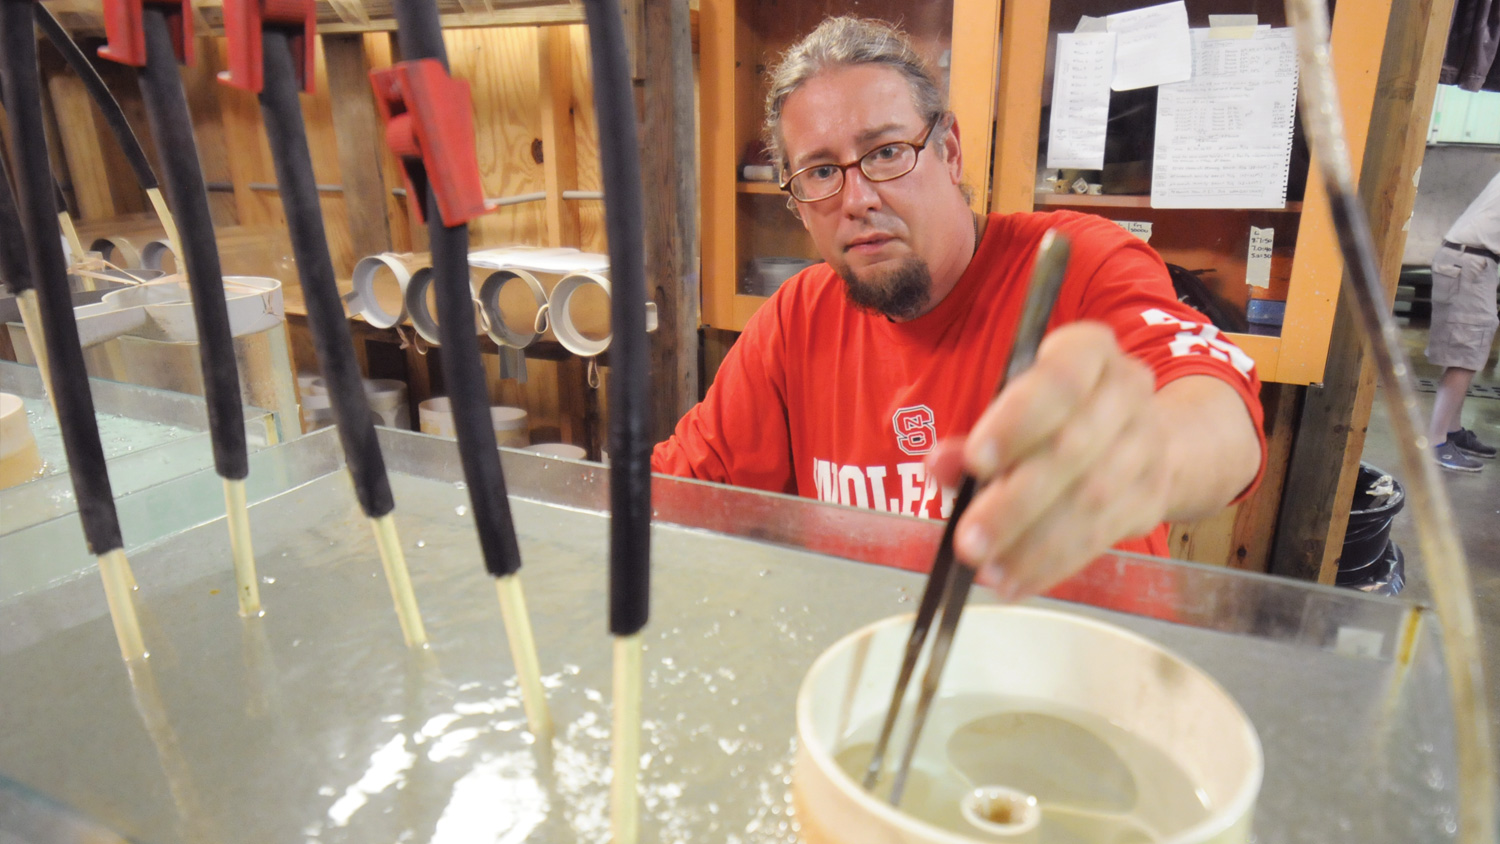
(1224, 137)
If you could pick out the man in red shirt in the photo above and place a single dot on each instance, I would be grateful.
(868, 380)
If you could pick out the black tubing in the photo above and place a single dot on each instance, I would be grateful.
(172, 126)
(15, 271)
(99, 93)
(282, 110)
(629, 355)
(421, 37)
(464, 376)
(419, 31)
(70, 387)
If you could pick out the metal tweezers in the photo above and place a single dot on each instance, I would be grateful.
(948, 584)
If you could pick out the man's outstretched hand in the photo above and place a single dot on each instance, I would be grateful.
(1082, 451)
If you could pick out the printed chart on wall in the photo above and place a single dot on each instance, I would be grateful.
(1224, 137)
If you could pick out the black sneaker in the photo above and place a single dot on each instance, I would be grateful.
(1466, 441)
(1449, 457)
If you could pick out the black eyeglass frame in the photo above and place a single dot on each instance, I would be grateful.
(917, 147)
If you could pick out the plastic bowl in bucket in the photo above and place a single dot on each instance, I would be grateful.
(1115, 737)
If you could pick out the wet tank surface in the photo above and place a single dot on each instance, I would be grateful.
(315, 724)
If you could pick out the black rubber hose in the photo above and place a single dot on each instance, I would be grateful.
(15, 272)
(99, 93)
(629, 354)
(282, 111)
(421, 37)
(70, 388)
(172, 126)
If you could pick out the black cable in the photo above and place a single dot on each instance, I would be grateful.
(282, 111)
(70, 388)
(172, 126)
(629, 354)
(421, 37)
(15, 272)
(99, 93)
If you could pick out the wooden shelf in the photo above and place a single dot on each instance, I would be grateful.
(765, 188)
(1083, 200)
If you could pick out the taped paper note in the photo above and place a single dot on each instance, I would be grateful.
(1232, 26)
(1139, 228)
(1088, 23)
(1258, 261)
(1224, 138)
(1080, 101)
(1153, 46)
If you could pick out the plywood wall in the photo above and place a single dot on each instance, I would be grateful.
(502, 64)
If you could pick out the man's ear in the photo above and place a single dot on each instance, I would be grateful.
(953, 152)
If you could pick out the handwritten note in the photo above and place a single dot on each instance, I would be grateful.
(1258, 261)
(1224, 138)
(1080, 100)
(1139, 228)
(1153, 46)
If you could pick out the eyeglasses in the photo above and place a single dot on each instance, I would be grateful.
(881, 164)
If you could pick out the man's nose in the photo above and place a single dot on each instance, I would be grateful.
(859, 194)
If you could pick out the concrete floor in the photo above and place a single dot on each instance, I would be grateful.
(1476, 504)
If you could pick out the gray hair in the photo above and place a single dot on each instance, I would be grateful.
(843, 41)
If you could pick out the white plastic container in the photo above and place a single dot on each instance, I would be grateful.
(1016, 662)
(19, 459)
(512, 429)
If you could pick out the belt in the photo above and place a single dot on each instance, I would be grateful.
(1472, 250)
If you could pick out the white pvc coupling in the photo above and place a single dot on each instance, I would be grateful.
(118, 251)
(153, 252)
(363, 301)
(559, 310)
(495, 324)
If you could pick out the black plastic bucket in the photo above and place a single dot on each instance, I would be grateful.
(1378, 497)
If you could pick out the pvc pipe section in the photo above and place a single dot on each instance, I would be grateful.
(363, 301)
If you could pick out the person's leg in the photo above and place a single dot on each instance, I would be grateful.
(1447, 408)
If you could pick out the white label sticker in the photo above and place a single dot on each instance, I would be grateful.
(1258, 261)
(1138, 228)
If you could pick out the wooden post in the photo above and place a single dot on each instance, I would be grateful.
(79, 138)
(559, 146)
(671, 197)
(360, 141)
(1325, 459)
(1023, 50)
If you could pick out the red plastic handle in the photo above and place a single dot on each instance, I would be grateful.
(127, 37)
(245, 20)
(429, 127)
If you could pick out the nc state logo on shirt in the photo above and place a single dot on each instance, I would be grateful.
(915, 432)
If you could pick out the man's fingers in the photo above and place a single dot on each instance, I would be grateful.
(1069, 365)
(1121, 497)
(1035, 486)
(946, 462)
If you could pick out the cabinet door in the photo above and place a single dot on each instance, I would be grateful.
(1279, 306)
(751, 240)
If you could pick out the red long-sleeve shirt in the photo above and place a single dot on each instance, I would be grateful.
(827, 401)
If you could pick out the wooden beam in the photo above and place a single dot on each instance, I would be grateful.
(559, 142)
(1331, 437)
(671, 198)
(360, 137)
(1023, 53)
(82, 151)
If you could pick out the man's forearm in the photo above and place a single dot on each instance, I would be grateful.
(1212, 448)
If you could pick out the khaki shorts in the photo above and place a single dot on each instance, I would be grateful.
(1463, 309)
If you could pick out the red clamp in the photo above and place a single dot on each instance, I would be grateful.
(245, 20)
(429, 126)
(127, 37)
